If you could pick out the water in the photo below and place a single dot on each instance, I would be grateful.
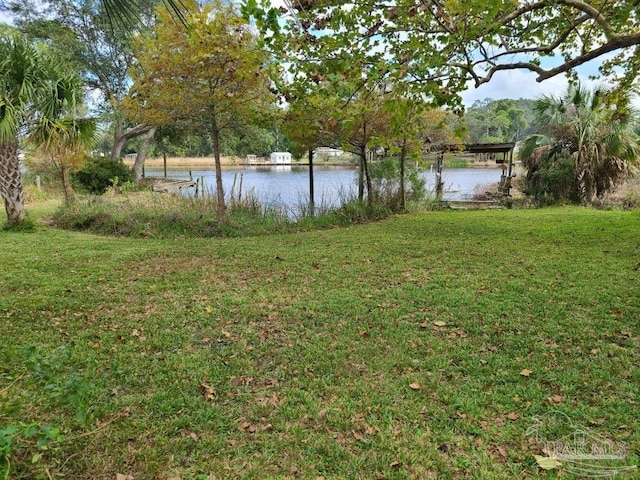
(289, 185)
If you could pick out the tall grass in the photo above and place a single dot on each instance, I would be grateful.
(144, 214)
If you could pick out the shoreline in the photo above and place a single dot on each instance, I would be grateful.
(208, 162)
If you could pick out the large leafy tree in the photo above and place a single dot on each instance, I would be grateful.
(209, 77)
(436, 46)
(35, 91)
(586, 147)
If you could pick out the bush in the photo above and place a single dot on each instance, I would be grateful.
(99, 173)
(551, 180)
(385, 176)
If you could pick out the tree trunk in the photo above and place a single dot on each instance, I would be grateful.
(138, 166)
(367, 178)
(403, 194)
(221, 207)
(119, 141)
(11, 188)
(312, 203)
(361, 175)
(69, 194)
(122, 136)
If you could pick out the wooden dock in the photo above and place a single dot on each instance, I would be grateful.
(167, 185)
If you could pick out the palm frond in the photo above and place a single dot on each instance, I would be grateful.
(124, 14)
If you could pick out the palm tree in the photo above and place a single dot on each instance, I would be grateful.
(61, 135)
(36, 98)
(19, 84)
(587, 145)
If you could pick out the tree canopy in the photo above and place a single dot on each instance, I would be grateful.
(435, 47)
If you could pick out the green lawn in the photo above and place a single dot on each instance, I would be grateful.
(423, 346)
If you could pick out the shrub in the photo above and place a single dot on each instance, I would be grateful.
(551, 179)
(99, 173)
(385, 176)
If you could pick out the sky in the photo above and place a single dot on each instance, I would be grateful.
(517, 84)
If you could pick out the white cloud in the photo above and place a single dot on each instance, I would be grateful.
(514, 84)
(522, 83)
(5, 17)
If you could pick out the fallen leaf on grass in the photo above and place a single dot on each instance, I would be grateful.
(248, 427)
(502, 451)
(440, 323)
(513, 416)
(557, 399)
(395, 464)
(526, 372)
(120, 476)
(208, 392)
(415, 386)
(547, 463)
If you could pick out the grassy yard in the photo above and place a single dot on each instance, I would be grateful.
(422, 346)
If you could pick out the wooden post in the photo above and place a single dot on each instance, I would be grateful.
(311, 192)
(439, 182)
(38, 183)
(507, 182)
(164, 161)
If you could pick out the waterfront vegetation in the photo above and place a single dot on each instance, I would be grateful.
(420, 346)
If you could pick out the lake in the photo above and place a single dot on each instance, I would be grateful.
(289, 185)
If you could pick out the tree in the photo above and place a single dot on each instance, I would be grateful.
(435, 47)
(586, 147)
(33, 89)
(495, 121)
(415, 128)
(361, 124)
(308, 124)
(84, 34)
(209, 77)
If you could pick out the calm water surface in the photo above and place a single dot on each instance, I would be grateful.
(289, 185)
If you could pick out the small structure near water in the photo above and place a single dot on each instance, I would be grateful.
(280, 158)
(504, 186)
